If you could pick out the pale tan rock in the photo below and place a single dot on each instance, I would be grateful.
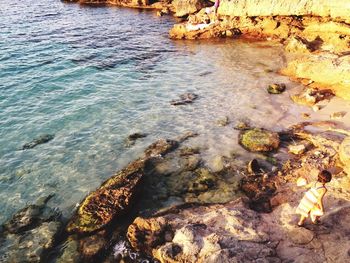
(332, 8)
(297, 149)
(326, 70)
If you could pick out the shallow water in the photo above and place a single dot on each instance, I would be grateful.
(92, 76)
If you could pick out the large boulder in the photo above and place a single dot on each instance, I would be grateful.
(326, 70)
(259, 140)
(186, 7)
(116, 195)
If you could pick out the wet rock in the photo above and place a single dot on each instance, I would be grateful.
(223, 122)
(31, 246)
(218, 163)
(133, 137)
(204, 180)
(185, 99)
(30, 216)
(186, 151)
(116, 195)
(161, 147)
(40, 140)
(259, 140)
(186, 7)
(92, 246)
(276, 88)
(70, 252)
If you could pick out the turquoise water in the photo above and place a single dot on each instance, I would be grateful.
(92, 76)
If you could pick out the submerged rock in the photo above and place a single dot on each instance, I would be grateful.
(259, 140)
(276, 88)
(132, 138)
(185, 99)
(30, 216)
(223, 122)
(31, 246)
(40, 140)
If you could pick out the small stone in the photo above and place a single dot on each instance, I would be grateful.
(40, 140)
(316, 108)
(185, 98)
(241, 126)
(337, 115)
(223, 122)
(276, 88)
(297, 149)
(305, 115)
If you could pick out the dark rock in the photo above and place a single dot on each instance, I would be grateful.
(92, 246)
(186, 151)
(276, 88)
(161, 147)
(253, 167)
(133, 137)
(259, 140)
(40, 140)
(203, 181)
(30, 216)
(185, 99)
(31, 245)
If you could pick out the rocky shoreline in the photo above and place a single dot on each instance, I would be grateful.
(168, 206)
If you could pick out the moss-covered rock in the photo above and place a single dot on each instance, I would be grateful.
(259, 140)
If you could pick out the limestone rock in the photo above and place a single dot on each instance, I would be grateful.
(332, 8)
(259, 140)
(297, 149)
(326, 70)
(186, 7)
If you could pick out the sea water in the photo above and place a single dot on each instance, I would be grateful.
(93, 76)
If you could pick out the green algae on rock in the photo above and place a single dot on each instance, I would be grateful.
(259, 140)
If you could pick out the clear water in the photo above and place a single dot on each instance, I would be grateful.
(92, 76)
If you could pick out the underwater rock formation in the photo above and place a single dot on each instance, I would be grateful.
(40, 140)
